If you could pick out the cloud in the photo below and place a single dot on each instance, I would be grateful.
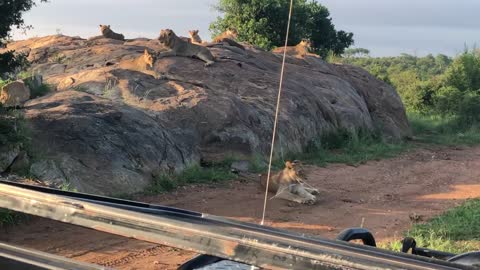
(389, 27)
(435, 13)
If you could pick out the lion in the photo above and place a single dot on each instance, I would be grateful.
(302, 49)
(229, 38)
(195, 38)
(288, 184)
(108, 33)
(225, 42)
(178, 47)
(143, 63)
(186, 39)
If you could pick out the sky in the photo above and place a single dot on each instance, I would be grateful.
(385, 27)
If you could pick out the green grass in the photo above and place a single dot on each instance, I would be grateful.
(257, 164)
(347, 147)
(191, 175)
(13, 128)
(9, 217)
(456, 231)
(35, 92)
(67, 187)
(355, 153)
(444, 131)
(39, 91)
(4, 82)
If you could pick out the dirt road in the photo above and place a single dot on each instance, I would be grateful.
(383, 193)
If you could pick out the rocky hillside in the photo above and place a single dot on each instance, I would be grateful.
(107, 129)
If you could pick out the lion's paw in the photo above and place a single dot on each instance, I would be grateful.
(310, 201)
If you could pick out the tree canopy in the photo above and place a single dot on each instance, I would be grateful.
(356, 52)
(264, 23)
(432, 84)
(11, 12)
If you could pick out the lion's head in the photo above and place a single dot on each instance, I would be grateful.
(167, 36)
(193, 32)
(104, 28)
(294, 169)
(306, 43)
(194, 35)
(232, 31)
(149, 58)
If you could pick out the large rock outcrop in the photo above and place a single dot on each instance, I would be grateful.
(98, 146)
(106, 126)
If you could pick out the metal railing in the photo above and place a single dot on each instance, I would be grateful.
(12, 258)
(237, 241)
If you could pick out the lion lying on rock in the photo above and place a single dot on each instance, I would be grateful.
(302, 49)
(195, 37)
(143, 63)
(229, 37)
(108, 33)
(179, 47)
(288, 184)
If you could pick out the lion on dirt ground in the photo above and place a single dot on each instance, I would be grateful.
(179, 47)
(288, 184)
(108, 33)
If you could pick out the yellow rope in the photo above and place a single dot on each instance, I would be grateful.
(276, 113)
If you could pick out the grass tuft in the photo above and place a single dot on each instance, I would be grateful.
(456, 231)
(447, 131)
(349, 147)
(67, 187)
(39, 91)
(13, 128)
(191, 175)
(9, 217)
(257, 164)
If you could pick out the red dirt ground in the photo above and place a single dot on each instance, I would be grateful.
(383, 193)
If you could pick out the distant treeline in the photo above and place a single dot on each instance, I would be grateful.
(431, 84)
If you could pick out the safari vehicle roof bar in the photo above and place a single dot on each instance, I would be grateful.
(237, 241)
(12, 257)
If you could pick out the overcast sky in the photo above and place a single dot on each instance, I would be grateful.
(385, 27)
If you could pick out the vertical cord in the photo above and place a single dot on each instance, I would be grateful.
(276, 114)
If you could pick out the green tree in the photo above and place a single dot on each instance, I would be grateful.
(264, 23)
(442, 62)
(11, 12)
(447, 100)
(356, 52)
(415, 93)
(459, 94)
(10, 62)
(417, 79)
(464, 72)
